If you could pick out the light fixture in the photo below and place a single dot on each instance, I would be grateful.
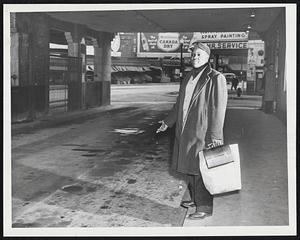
(252, 14)
(249, 26)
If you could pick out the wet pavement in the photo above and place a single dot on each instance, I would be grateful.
(111, 170)
(106, 167)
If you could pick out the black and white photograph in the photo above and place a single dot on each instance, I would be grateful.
(149, 119)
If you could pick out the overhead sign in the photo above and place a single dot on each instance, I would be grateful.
(163, 42)
(169, 44)
(115, 46)
(221, 36)
(256, 53)
(228, 45)
(168, 41)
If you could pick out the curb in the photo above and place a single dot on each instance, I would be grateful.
(185, 197)
(54, 120)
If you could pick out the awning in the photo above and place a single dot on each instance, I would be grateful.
(171, 62)
(187, 69)
(155, 67)
(119, 68)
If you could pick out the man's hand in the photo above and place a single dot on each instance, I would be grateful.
(215, 143)
(162, 128)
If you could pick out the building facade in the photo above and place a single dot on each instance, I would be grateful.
(165, 56)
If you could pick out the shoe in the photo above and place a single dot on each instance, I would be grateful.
(198, 215)
(188, 204)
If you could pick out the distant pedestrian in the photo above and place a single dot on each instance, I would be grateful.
(270, 88)
(263, 80)
(239, 92)
(234, 83)
(199, 114)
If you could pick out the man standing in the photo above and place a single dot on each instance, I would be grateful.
(234, 83)
(199, 114)
(269, 96)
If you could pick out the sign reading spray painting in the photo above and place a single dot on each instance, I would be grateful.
(169, 44)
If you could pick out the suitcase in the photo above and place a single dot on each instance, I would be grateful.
(220, 169)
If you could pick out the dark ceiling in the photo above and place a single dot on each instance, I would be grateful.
(174, 20)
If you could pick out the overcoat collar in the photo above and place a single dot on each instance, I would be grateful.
(203, 80)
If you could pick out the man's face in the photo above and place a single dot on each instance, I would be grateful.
(199, 57)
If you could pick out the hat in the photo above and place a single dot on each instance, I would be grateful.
(202, 46)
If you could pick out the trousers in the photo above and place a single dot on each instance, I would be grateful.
(199, 194)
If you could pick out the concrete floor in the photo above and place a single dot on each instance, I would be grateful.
(109, 168)
(263, 200)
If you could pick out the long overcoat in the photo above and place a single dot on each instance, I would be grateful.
(203, 122)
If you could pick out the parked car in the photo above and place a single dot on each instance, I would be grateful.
(229, 77)
(240, 85)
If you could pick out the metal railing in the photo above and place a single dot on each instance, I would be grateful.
(60, 69)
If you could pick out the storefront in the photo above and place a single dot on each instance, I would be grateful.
(229, 50)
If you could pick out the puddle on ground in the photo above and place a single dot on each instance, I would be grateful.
(104, 207)
(89, 155)
(72, 188)
(91, 189)
(73, 145)
(131, 181)
(89, 150)
(172, 93)
(123, 161)
(128, 131)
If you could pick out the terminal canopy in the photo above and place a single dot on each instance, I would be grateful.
(175, 20)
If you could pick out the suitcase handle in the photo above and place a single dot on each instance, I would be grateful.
(217, 156)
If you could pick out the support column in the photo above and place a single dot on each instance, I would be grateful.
(72, 46)
(20, 23)
(82, 50)
(97, 61)
(74, 70)
(14, 51)
(93, 89)
(38, 65)
(103, 66)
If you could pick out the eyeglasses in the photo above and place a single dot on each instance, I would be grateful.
(195, 54)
